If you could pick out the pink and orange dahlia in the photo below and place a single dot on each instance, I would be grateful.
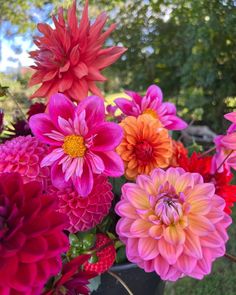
(172, 223)
(82, 142)
(31, 236)
(70, 58)
(146, 145)
(151, 104)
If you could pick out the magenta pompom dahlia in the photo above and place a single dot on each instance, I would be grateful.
(83, 144)
(31, 236)
(153, 105)
(85, 213)
(172, 223)
(23, 154)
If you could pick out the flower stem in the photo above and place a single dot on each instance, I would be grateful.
(224, 160)
(17, 104)
(230, 257)
(91, 252)
(121, 282)
(207, 152)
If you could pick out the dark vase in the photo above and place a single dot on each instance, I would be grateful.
(138, 281)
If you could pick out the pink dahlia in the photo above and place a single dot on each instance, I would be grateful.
(23, 154)
(71, 56)
(172, 223)
(151, 104)
(31, 236)
(232, 118)
(85, 213)
(82, 142)
(225, 156)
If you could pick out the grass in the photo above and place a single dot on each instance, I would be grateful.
(222, 280)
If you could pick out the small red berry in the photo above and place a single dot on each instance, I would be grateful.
(105, 257)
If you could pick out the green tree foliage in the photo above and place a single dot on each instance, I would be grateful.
(188, 47)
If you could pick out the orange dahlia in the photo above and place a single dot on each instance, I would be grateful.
(146, 145)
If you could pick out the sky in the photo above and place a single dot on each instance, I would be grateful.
(10, 59)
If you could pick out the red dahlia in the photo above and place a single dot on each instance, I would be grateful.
(221, 180)
(70, 57)
(31, 236)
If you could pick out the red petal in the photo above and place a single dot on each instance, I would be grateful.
(81, 70)
(108, 56)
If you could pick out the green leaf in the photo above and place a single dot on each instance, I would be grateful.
(121, 255)
(93, 259)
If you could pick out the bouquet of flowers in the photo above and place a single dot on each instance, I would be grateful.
(82, 187)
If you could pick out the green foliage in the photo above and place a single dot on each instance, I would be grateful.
(188, 47)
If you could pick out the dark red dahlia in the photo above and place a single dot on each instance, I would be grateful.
(73, 280)
(36, 108)
(222, 180)
(31, 236)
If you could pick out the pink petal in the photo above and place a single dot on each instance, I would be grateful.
(140, 228)
(52, 157)
(114, 165)
(169, 252)
(60, 105)
(229, 141)
(186, 264)
(84, 184)
(155, 93)
(192, 246)
(40, 125)
(161, 267)
(96, 163)
(231, 117)
(147, 248)
(71, 169)
(108, 136)
(65, 126)
(175, 123)
(126, 106)
(80, 125)
(94, 109)
(58, 177)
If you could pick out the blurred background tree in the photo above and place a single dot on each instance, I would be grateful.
(187, 47)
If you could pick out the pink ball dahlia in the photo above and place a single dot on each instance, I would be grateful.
(85, 213)
(31, 236)
(172, 223)
(83, 144)
(151, 104)
(23, 154)
(70, 57)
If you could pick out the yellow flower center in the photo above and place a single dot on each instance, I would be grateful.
(74, 146)
(151, 112)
